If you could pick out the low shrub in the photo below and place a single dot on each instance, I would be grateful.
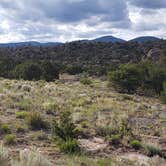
(64, 129)
(27, 71)
(73, 70)
(69, 146)
(5, 129)
(105, 131)
(22, 114)
(144, 78)
(136, 144)
(119, 127)
(66, 133)
(86, 81)
(36, 122)
(41, 136)
(151, 150)
(30, 70)
(51, 108)
(163, 94)
(20, 128)
(24, 104)
(50, 71)
(10, 139)
(126, 79)
(116, 139)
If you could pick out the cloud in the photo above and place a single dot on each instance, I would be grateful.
(67, 10)
(36, 17)
(66, 20)
(147, 20)
(151, 4)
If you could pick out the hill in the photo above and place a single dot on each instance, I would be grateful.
(107, 39)
(104, 119)
(84, 53)
(98, 121)
(103, 39)
(143, 39)
(30, 43)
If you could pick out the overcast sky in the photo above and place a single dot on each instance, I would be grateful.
(66, 20)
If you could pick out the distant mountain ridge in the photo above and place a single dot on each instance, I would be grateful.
(142, 39)
(30, 43)
(103, 39)
(107, 39)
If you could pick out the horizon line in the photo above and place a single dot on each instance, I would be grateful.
(89, 39)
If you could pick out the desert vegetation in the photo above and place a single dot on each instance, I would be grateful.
(144, 78)
(64, 118)
(83, 111)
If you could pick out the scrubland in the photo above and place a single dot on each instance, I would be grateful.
(109, 128)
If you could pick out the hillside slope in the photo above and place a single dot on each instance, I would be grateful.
(107, 39)
(94, 108)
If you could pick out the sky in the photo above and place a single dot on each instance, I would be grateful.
(67, 20)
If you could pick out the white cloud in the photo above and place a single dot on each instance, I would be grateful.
(66, 20)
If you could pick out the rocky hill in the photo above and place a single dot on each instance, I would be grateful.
(84, 53)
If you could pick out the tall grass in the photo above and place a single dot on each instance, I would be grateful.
(26, 158)
(31, 158)
(4, 156)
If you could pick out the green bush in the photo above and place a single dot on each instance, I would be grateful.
(20, 129)
(24, 104)
(10, 139)
(51, 108)
(126, 79)
(50, 71)
(105, 131)
(116, 139)
(86, 81)
(36, 122)
(151, 150)
(76, 69)
(136, 144)
(28, 71)
(163, 94)
(22, 114)
(64, 128)
(157, 76)
(5, 129)
(6, 66)
(69, 146)
(143, 77)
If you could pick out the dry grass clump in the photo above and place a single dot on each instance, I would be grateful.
(51, 108)
(4, 156)
(31, 158)
(36, 122)
(157, 161)
(26, 158)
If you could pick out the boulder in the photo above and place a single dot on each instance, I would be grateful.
(154, 54)
(93, 145)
